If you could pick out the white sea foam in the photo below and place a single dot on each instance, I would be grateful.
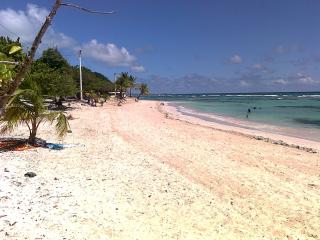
(250, 95)
(312, 96)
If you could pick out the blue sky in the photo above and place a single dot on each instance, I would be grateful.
(185, 46)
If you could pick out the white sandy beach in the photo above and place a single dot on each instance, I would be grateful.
(139, 175)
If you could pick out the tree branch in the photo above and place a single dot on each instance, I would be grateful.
(85, 9)
(9, 63)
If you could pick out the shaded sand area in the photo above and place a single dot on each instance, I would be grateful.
(140, 175)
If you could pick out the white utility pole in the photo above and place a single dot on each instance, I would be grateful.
(80, 72)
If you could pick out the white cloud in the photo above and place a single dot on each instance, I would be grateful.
(37, 13)
(302, 78)
(235, 59)
(244, 83)
(60, 40)
(19, 22)
(109, 54)
(27, 23)
(258, 66)
(298, 79)
(280, 81)
(281, 49)
(138, 68)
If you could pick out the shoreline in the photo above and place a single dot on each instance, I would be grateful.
(290, 131)
(229, 124)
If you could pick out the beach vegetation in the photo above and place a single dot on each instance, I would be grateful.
(132, 82)
(27, 61)
(92, 81)
(26, 107)
(10, 55)
(144, 90)
(123, 83)
(53, 74)
(57, 78)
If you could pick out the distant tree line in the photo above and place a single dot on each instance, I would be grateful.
(56, 77)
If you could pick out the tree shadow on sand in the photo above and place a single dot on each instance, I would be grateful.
(16, 144)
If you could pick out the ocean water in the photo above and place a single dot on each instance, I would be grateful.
(298, 111)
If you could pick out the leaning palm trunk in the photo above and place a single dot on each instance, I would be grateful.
(143, 90)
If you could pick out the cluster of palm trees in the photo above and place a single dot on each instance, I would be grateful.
(126, 82)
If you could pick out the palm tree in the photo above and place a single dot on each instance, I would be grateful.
(27, 107)
(132, 81)
(144, 90)
(123, 83)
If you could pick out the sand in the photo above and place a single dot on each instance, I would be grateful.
(136, 174)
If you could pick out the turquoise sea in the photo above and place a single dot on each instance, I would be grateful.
(298, 112)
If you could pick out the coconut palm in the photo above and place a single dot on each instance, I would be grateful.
(132, 82)
(27, 107)
(123, 83)
(144, 90)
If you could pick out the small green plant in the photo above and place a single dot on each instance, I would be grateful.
(27, 107)
(7, 67)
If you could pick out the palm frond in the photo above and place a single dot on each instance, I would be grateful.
(15, 96)
(50, 116)
(62, 125)
(26, 107)
(13, 117)
(7, 127)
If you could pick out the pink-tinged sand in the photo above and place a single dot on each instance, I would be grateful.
(141, 175)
